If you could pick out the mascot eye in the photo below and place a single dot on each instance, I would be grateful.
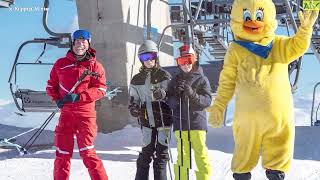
(259, 15)
(246, 15)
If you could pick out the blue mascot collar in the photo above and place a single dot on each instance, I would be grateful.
(259, 50)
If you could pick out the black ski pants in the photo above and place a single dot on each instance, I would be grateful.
(156, 152)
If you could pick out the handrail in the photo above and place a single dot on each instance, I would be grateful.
(313, 101)
(45, 22)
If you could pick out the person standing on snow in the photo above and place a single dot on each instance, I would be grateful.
(148, 89)
(193, 86)
(78, 115)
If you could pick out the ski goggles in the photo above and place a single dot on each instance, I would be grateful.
(185, 60)
(148, 56)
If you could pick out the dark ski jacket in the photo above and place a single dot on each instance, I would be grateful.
(141, 92)
(198, 118)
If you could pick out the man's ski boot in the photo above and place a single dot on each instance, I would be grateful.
(242, 176)
(317, 123)
(275, 174)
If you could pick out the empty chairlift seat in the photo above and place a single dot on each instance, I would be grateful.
(34, 101)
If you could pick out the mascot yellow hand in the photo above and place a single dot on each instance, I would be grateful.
(308, 18)
(215, 117)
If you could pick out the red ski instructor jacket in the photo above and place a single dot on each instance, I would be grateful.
(66, 72)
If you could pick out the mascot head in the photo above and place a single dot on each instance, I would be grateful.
(253, 20)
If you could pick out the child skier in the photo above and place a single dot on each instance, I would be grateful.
(148, 90)
(189, 95)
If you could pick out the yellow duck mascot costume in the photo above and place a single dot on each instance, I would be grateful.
(256, 71)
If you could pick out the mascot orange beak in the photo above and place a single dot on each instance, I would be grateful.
(253, 27)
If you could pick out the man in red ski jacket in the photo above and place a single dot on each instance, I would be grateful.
(78, 115)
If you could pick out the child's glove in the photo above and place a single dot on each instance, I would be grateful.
(159, 94)
(308, 18)
(188, 91)
(215, 117)
(59, 103)
(134, 110)
(71, 98)
(180, 87)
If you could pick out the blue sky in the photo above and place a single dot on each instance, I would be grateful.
(17, 27)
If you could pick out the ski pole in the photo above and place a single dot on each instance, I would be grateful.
(139, 121)
(35, 136)
(167, 138)
(14, 137)
(180, 134)
(189, 138)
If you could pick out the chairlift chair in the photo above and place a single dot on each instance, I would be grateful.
(28, 100)
(32, 100)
